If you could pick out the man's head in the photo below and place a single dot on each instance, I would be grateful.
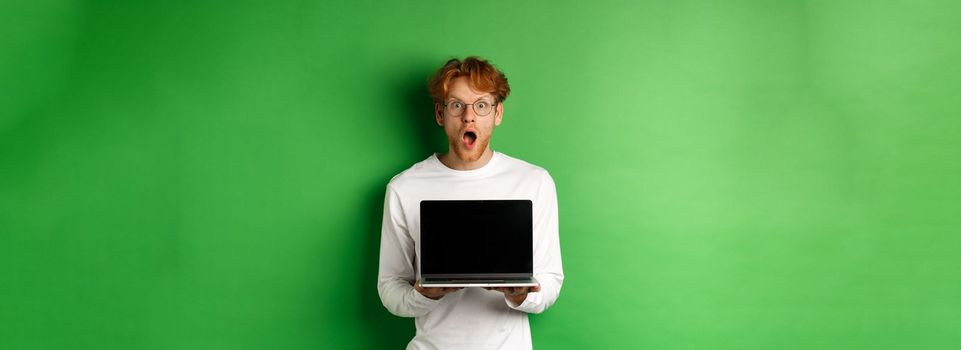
(468, 98)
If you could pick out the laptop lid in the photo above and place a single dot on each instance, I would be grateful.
(464, 239)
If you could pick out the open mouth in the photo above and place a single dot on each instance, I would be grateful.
(469, 138)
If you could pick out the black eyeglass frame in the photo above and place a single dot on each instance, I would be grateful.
(493, 106)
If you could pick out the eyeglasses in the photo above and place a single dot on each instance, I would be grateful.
(456, 108)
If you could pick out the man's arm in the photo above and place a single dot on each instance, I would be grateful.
(547, 255)
(396, 274)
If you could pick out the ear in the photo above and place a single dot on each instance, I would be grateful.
(439, 114)
(499, 114)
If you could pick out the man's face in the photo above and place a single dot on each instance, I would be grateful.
(468, 134)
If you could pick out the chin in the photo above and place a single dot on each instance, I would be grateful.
(468, 156)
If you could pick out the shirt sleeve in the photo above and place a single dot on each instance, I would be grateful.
(396, 273)
(547, 251)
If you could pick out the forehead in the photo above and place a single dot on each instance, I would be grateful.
(460, 89)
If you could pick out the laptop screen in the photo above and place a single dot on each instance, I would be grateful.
(476, 238)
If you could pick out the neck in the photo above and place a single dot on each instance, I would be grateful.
(451, 160)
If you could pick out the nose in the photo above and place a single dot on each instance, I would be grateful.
(468, 115)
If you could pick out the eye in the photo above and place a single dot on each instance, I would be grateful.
(456, 104)
(483, 104)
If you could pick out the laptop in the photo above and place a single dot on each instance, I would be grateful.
(476, 243)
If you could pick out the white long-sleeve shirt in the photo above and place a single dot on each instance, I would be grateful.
(472, 318)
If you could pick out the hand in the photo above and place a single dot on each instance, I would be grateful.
(516, 295)
(434, 292)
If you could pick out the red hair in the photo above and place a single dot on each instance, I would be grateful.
(481, 76)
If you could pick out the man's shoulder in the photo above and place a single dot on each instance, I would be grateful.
(516, 164)
(414, 171)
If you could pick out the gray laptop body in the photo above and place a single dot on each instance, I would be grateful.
(476, 243)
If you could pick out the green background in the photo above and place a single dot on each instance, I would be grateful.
(731, 175)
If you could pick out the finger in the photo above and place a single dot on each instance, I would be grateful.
(536, 288)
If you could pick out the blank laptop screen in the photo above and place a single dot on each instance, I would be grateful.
(476, 238)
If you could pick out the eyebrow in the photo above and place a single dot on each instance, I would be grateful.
(488, 98)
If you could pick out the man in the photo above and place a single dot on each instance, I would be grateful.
(468, 103)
